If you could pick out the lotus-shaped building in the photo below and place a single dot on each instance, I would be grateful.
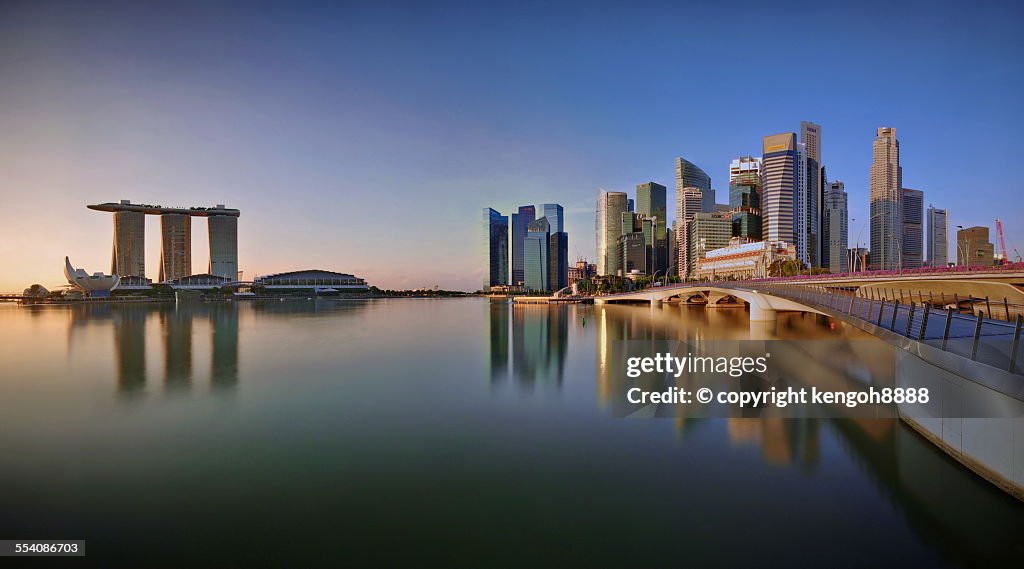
(96, 284)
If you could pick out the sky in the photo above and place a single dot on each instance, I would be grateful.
(366, 137)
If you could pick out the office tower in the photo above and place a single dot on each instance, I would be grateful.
(554, 213)
(495, 228)
(652, 204)
(537, 255)
(885, 192)
(688, 175)
(745, 169)
(673, 251)
(633, 252)
(223, 232)
(175, 246)
(558, 260)
(708, 231)
(973, 247)
(610, 206)
(745, 209)
(810, 192)
(689, 203)
(526, 215)
(558, 256)
(835, 228)
(630, 204)
(937, 237)
(912, 207)
(780, 175)
(129, 256)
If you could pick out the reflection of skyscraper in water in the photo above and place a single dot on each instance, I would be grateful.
(540, 337)
(177, 328)
(130, 345)
(224, 363)
(498, 318)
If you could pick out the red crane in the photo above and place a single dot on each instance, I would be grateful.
(1002, 242)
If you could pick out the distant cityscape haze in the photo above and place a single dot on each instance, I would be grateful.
(366, 138)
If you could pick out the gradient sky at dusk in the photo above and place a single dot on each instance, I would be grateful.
(366, 137)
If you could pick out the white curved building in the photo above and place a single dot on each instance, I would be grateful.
(96, 285)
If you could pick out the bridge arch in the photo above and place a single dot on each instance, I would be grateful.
(763, 306)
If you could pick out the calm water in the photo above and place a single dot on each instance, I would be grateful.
(457, 431)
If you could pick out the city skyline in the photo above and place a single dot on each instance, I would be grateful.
(296, 127)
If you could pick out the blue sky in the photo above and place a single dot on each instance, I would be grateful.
(366, 137)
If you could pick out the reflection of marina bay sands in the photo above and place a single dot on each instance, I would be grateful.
(178, 332)
(129, 255)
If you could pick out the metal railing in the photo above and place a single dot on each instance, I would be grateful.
(977, 335)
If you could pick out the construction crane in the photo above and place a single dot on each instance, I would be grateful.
(1002, 242)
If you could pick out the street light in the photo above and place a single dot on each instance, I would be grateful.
(899, 245)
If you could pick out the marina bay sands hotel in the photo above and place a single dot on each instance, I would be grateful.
(129, 256)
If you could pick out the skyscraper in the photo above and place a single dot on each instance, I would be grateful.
(937, 237)
(223, 232)
(554, 213)
(811, 187)
(129, 256)
(912, 207)
(779, 170)
(610, 206)
(692, 184)
(558, 253)
(175, 246)
(536, 255)
(651, 204)
(558, 260)
(526, 215)
(835, 228)
(745, 207)
(708, 231)
(495, 228)
(745, 168)
(885, 193)
(689, 204)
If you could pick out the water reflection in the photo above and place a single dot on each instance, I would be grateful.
(177, 332)
(179, 329)
(130, 348)
(539, 339)
(925, 485)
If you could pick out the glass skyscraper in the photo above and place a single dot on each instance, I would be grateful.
(536, 255)
(651, 204)
(495, 229)
(810, 192)
(912, 206)
(835, 228)
(526, 215)
(938, 237)
(610, 206)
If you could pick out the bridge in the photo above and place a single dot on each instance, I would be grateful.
(763, 307)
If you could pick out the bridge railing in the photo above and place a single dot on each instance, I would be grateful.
(977, 336)
(923, 271)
